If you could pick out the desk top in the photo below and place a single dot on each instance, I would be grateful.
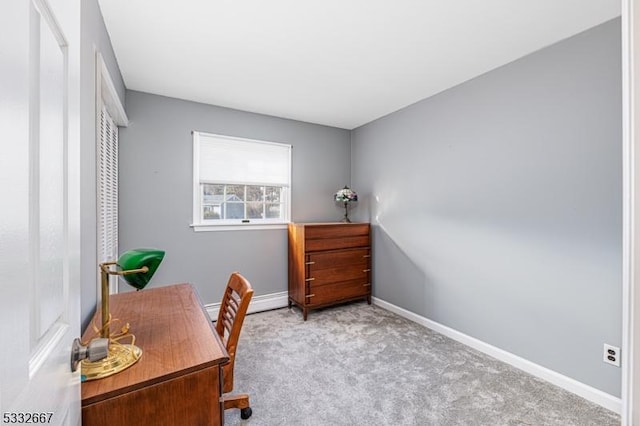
(172, 329)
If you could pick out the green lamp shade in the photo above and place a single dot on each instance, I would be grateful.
(139, 258)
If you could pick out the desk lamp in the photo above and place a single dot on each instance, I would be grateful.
(136, 267)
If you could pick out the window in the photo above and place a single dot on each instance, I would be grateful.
(240, 182)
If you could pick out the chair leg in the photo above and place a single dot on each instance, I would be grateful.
(240, 401)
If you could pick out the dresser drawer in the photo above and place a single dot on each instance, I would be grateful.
(336, 236)
(340, 273)
(336, 243)
(337, 231)
(333, 259)
(321, 294)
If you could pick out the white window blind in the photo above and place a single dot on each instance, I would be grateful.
(107, 188)
(242, 161)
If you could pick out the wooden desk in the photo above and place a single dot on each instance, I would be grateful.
(178, 380)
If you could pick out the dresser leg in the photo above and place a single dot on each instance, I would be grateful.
(289, 303)
(304, 314)
(369, 299)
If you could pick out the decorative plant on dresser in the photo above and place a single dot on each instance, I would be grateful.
(329, 263)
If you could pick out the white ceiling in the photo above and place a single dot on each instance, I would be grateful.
(341, 63)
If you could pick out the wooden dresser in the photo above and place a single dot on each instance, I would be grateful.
(329, 263)
(178, 379)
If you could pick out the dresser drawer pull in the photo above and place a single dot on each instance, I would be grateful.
(310, 295)
(310, 279)
(366, 270)
(366, 255)
(366, 285)
(310, 263)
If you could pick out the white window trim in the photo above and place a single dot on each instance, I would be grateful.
(237, 227)
(107, 95)
(209, 226)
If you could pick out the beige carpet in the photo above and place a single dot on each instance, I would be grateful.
(357, 364)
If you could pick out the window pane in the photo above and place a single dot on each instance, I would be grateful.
(273, 211)
(212, 201)
(210, 212)
(210, 189)
(254, 210)
(234, 210)
(273, 194)
(255, 193)
(235, 193)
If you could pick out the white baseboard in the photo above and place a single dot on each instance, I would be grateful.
(587, 392)
(258, 304)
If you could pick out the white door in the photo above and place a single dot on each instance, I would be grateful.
(39, 214)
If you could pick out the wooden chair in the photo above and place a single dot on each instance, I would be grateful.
(233, 309)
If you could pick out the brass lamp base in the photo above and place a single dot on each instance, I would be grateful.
(120, 358)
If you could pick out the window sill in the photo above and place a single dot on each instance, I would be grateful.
(199, 227)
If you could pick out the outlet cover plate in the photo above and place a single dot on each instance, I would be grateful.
(611, 355)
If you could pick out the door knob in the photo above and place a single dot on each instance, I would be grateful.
(96, 350)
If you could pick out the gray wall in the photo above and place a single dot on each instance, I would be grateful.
(156, 178)
(94, 39)
(496, 206)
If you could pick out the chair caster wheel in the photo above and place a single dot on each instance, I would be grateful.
(245, 413)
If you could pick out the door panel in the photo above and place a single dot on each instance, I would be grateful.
(50, 143)
(14, 193)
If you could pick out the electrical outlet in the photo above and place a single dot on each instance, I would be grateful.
(611, 355)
